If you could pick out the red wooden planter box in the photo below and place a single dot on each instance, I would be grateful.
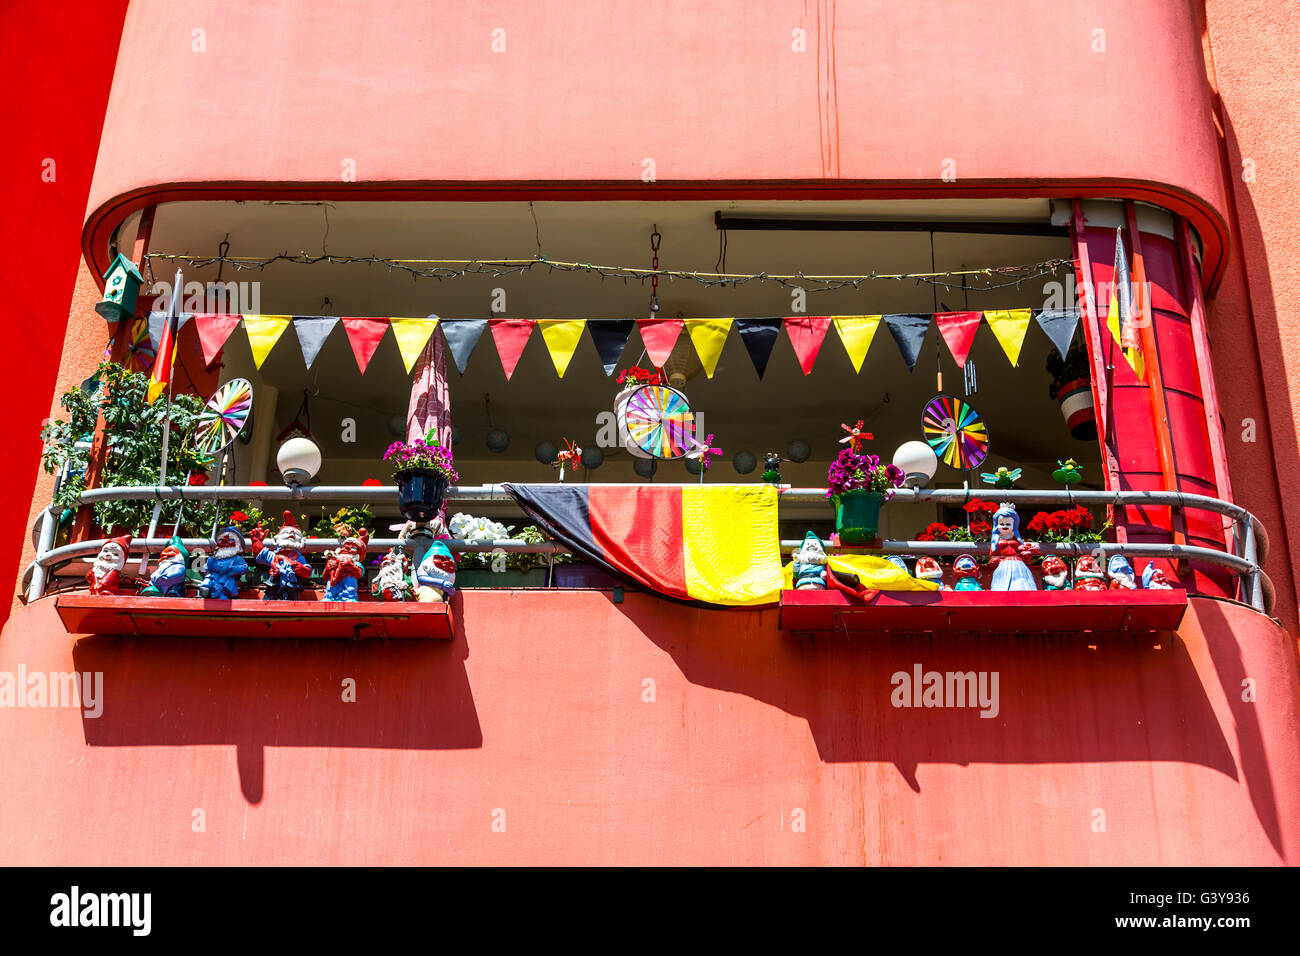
(195, 617)
(997, 612)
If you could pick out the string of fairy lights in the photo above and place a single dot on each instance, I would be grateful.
(986, 279)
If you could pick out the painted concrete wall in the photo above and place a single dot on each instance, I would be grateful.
(539, 708)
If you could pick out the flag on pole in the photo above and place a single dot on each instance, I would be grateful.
(160, 378)
(1119, 317)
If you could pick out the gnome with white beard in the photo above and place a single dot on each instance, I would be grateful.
(289, 571)
(168, 580)
(391, 583)
(222, 571)
(345, 567)
(1056, 575)
(809, 571)
(105, 574)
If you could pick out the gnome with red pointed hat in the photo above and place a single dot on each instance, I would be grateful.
(345, 567)
(288, 569)
(1088, 575)
(105, 574)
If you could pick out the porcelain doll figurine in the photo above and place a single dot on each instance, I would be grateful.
(168, 580)
(105, 573)
(346, 566)
(928, 569)
(1008, 551)
(289, 570)
(222, 571)
(1120, 573)
(1056, 576)
(1088, 575)
(391, 583)
(810, 565)
(1153, 579)
(967, 572)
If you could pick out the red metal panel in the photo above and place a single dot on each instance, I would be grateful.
(192, 617)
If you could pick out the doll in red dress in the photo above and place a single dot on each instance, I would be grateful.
(1008, 553)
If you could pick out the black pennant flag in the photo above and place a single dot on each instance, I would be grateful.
(1059, 324)
(759, 336)
(610, 338)
(462, 335)
(908, 330)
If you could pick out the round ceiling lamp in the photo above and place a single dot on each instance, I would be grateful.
(744, 462)
(645, 467)
(592, 457)
(497, 440)
(545, 452)
(798, 451)
(918, 461)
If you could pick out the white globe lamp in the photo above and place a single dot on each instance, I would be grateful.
(918, 462)
(298, 460)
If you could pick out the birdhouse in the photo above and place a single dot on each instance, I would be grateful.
(122, 284)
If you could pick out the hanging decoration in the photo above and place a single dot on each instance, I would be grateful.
(263, 332)
(610, 338)
(158, 324)
(1059, 326)
(958, 331)
(807, 332)
(1119, 314)
(561, 337)
(364, 335)
(659, 336)
(312, 331)
(758, 337)
(658, 422)
(412, 335)
(856, 332)
(909, 330)
(213, 330)
(1009, 327)
(462, 335)
(709, 336)
(956, 432)
(224, 416)
(510, 337)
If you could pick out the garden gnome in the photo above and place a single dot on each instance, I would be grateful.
(435, 578)
(897, 561)
(928, 569)
(967, 572)
(1153, 579)
(1088, 575)
(809, 570)
(1121, 574)
(1008, 551)
(1056, 576)
(345, 567)
(390, 584)
(169, 578)
(106, 571)
(222, 571)
(288, 569)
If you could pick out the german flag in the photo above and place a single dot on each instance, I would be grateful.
(164, 361)
(713, 545)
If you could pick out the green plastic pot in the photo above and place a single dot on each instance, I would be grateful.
(857, 515)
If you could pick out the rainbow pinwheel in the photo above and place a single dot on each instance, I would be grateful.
(224, 416)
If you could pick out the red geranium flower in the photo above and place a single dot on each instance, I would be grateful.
(258, 484)
(372, 483)
(981, 529)
(197, 478)
(238, 517)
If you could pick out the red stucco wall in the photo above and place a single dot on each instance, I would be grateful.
(538, 708)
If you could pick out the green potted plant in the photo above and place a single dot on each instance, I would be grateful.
(1071, 387)
(422, 469)
(858, 485)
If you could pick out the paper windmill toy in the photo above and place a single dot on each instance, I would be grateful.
(1069, 473)
(701, 451)
(569, 457)
(956, 432)
(224, 416)
(660, 423)
(1002, 478)
(139, 348)
(856, 436)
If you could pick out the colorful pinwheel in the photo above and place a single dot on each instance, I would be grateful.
(569, 457)
(856, 436)
(700, 451)
(956, 432)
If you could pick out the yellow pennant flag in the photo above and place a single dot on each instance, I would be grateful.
(412, 335)
(263, 332)
(856, 332)
(709, 336)
(1132, 355)
(561, 337)
(1009, 327)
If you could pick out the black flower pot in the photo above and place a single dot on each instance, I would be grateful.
(420, 492)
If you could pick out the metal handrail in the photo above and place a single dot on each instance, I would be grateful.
(1250, 540)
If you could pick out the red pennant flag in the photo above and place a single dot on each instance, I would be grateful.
(958, 330)
(510, 336)
(659, 337)
(806, 334)
(213, 331)
(365, 335)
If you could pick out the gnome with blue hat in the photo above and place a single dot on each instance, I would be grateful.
(1153, 579)
(168, 580)
(809, 569)
(1120, 573)
(222, 571)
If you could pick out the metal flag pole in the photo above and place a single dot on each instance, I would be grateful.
(173, 323)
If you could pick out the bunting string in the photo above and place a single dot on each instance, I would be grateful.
(985, 279)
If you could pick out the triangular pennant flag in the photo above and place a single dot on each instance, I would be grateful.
(412, 335)
(510, 336)
(958, 330)
(908, 330)
(759, 335)
(1119, 316)
(364, 334)
(312, 331)
(856, 332)
(659, 337)
(263, 332)
(462, 335)
(610, 338)
(156, 322)
(561, 337)
(213, 331)
(1059, 324)
(709, 336)
(806, 335)
(1009, 327)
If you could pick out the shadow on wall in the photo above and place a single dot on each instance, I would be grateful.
(408, 695)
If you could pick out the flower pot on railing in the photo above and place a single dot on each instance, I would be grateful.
(1075, 398)
(857, 515)
(420, 492)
